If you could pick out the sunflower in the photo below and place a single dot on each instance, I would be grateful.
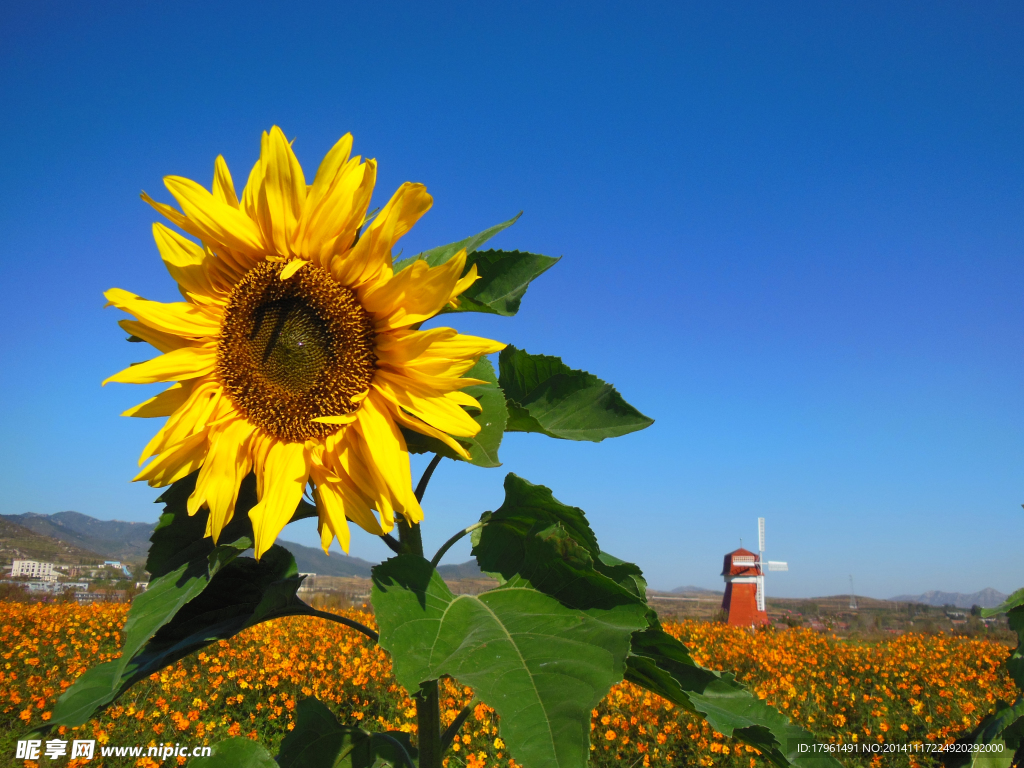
(297, 352)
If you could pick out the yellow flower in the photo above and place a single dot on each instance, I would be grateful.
(297, 352)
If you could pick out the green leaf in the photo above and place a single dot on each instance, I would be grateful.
(534, 536)
(200, 593)
(662, 664)
(1013, 601)
(544, 395)
(504, 278)
(542, 666)
(152, 609)
(234, 753)
(320, 741)
(483, 448)
(442, 253)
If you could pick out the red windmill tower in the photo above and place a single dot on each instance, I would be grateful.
(744, 583)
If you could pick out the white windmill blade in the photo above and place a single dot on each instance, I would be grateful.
(760, 534)
(760, 593)
(777, 565)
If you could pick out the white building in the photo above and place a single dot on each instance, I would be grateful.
(33, 569)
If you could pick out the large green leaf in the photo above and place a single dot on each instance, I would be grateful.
(541, 665)
(442, 253)
(503, 279)
(320, 741)
(662, 664)
(483, 448)
(238, 752)
(545, 395)
(200, 593)
(166, 595)
(535, 537)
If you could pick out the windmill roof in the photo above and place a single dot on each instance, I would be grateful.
(731, 568)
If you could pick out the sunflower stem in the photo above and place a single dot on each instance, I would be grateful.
(452, 730)
(451, 542)
(421, 486)
(410, 541)
(428, 725)
(347, 622)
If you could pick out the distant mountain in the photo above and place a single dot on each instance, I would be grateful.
(113, 539)
(20, 543)
(467, 570)
(987, 598)
(313, 560)
(696, 590)
(71, 537)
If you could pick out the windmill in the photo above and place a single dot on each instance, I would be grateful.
(773, 565)
(744, 582)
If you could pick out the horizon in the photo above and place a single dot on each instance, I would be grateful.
(448, 562)
(792, 236)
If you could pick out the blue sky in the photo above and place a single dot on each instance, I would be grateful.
(792, 234)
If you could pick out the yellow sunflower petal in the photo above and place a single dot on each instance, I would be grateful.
(283, 192)
(415, 294)
(399, 346)
(358, 507)
(177, 462)
(185, 262)
(442, 411)
(223, 186)
(164, 404)
(226, 465)
(176, 365)
(194, 415)
(369, 262)
(418, 425)
(282, 476)
(165, 342)
(215, 220)
(332, 228)
(385, 450)
(292, 267)
(179, 318)
(333, 203)
(331, 510)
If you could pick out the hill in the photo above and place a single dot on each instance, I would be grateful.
(114, 539)
(696, 591)
(313, 560)
(466, 570)
(20, 543)
(986, 598)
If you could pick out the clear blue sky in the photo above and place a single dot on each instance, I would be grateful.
(792, 232)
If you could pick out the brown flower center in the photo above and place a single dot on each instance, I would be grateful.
(294, 350)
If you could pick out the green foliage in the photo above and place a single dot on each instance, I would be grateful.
(483, 448)
(320, 741)
(541, 665)
(546, 396)
(200, 593)
(503, 279)
(503, 276)
(534, 539)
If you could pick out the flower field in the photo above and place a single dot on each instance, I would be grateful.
(911, 688)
